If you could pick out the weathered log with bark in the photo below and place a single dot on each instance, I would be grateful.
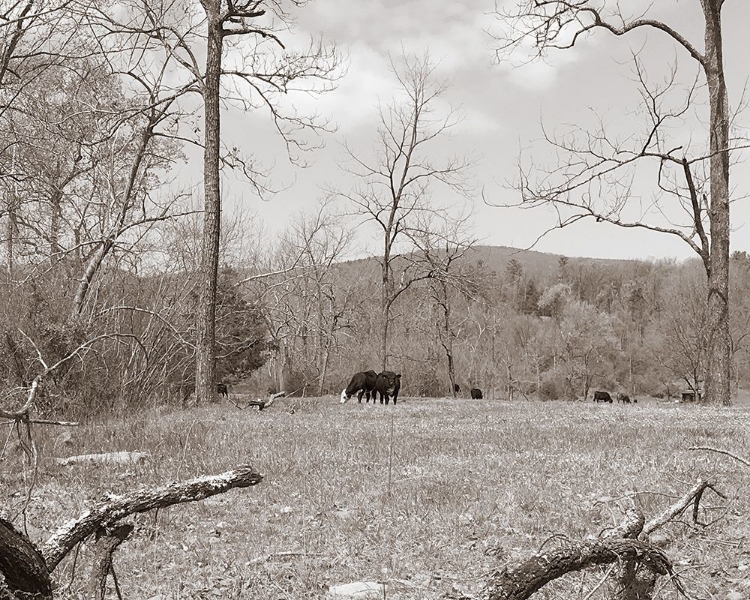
(119, 507)
(521, 579)
(22, 564)
(27, 570)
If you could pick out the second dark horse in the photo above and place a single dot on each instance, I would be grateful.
(387, 385)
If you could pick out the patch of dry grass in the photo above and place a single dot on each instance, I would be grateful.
(429, 496)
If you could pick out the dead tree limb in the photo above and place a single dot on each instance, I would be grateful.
(105, 545)
(261, 404)
(692, 496)
(520, 580)
(22, 565)
(720, 451)
(631, 526)
(640, 563)
(119, 507)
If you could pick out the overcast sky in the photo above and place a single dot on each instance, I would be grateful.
(504, 106)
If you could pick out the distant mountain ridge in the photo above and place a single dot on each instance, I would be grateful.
(533, 262)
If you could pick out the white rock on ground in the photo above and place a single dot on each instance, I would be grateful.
(361, 590)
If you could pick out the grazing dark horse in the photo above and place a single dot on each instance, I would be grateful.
(602, 397)
(222, 390)
(364, 383)
(476, 394)
(387, 385)
(624, 398)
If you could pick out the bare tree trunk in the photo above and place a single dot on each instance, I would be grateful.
(386, 314)
(719, 341)
(11, 228)
(509, 377)
(205, 365)
(327, 351)
(451, 368)
(54, 226)
(10, 234)
(92, 267)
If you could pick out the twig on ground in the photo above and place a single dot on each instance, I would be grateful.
(720, 451)
(601, 582)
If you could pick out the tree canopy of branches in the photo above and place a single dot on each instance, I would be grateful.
(394, 187)
(596, 175)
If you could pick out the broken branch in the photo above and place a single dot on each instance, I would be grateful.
(119, 507)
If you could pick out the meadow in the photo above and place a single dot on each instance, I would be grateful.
(429, 496)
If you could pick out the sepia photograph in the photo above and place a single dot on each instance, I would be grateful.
(386, 300)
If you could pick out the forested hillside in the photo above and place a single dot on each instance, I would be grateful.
(516, 323)
(292, 316)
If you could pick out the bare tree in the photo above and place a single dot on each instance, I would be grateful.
(597, 169)
(442, 242)
(263, 78)
(259, 71)
(304, 302)
(395, 185)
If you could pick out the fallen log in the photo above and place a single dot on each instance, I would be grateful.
(518, 581)
(618, 546)
(22, 565)
(261, 404)
(119, 507)
(105, 457)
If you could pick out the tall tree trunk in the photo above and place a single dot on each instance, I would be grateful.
(10, 233)
(327, 350)
(12, 225)
(92, 267)
(206, 318)
(385, 305)
(719, 342)
(54, 226)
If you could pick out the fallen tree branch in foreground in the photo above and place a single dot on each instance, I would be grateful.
(119, 507)
(692, 496)
(22, 564)
(521, 579)
(27, 571)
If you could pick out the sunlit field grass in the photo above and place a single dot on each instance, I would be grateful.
(429, 496)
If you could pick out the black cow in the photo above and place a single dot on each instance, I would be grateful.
(476, 394)
(222, 390)
(456, 388)
(602, 397)
(624, 398)
(364, 383)
(387, 385)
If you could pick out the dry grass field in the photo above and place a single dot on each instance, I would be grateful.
(429, 497)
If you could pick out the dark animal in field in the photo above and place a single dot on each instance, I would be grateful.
(624, 398)
(476, 394)
(602, 397)
(456, 388)
(387, 385)
(364, 383)
(222, 390)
